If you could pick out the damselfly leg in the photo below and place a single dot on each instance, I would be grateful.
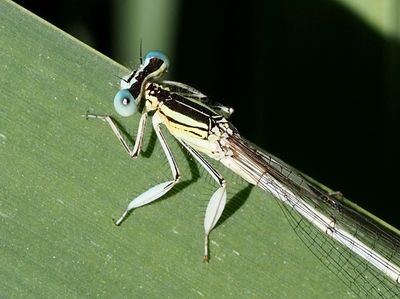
(159, 190)
(133, 153)
(218, 200)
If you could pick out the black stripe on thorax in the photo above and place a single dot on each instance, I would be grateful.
(172, 120)
(194, 105)
(190, 108)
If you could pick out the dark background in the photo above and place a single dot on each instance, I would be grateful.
(310, 81)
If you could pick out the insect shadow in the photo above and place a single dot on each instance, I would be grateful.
(235, 203)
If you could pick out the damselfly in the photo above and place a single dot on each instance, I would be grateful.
(363, 252)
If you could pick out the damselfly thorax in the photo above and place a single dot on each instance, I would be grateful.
(190, 121)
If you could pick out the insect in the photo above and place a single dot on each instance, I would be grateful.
(363, 252)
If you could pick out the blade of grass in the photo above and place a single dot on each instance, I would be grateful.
(63, 178)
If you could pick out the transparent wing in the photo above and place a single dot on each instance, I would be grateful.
(183, 89)
(364, 253)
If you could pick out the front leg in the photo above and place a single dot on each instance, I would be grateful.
(133, 153)
(159, 190)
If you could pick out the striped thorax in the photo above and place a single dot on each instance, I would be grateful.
(189, 120)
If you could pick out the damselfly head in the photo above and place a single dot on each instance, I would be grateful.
(126, 100)
(124, 103)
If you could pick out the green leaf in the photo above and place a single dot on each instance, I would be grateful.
(64, 178)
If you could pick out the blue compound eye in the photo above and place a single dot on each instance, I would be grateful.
(124, 103)
(156, 54)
